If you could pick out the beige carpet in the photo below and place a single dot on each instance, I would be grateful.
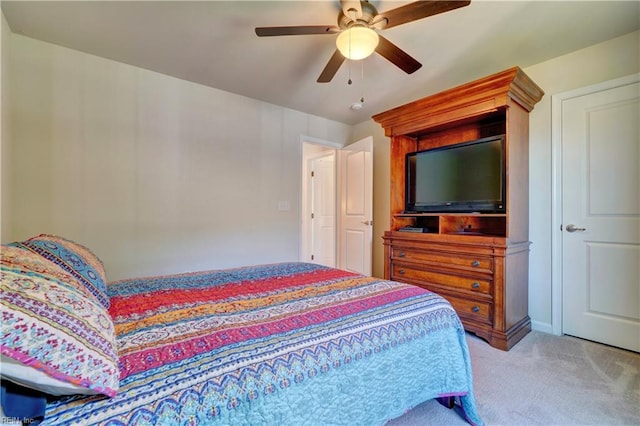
(546, 380)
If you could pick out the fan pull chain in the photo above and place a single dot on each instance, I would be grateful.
(362, 82)
(349, 81)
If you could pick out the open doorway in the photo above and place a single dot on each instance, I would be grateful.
(337, 204)
(318, 210)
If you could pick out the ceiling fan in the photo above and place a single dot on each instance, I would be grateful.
(358, 21)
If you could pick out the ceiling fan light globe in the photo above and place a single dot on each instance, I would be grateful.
(357, 42)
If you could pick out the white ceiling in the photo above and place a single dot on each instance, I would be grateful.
(213, 43)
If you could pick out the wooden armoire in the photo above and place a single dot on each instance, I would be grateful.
(483, 273)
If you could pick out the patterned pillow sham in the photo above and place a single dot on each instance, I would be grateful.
(74, 258)
(55, 337)
(30, 263)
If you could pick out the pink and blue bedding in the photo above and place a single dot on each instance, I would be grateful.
(278, 344)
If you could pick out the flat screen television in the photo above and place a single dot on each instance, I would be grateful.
(463, 178)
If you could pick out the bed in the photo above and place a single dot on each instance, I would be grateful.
(277, 344)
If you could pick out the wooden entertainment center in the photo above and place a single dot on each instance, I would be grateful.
(479, 262)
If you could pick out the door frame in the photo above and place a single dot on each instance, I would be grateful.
(556, 188)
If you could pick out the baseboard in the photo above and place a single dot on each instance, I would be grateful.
(543, 327)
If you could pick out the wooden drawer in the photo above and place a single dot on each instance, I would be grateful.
(471, 309)
(484, 264)
(401, 272)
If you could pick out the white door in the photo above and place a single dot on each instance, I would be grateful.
(601, 213)
(323, 210)
(356, 206)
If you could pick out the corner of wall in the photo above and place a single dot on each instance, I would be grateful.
(5, 129)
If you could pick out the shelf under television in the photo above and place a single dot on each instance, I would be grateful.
(463, 224)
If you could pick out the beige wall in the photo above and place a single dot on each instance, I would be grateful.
(614, 58)
(155, 174)
(5, 129)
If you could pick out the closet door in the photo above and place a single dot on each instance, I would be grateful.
(601, 214)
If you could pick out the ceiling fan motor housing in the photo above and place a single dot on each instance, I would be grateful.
(368, 13)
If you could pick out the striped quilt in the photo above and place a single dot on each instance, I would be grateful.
(279, 344)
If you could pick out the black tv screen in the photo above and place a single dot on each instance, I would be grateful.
(466, 177)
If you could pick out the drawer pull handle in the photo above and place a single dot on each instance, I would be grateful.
(475, 309)
(475, 285)
(401, 271)
(475, 263)
(401, 254)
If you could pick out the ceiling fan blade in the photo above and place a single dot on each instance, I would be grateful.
(331, 68)
(351, 8)
(300, 30)
(397, 56)
(418, 10)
